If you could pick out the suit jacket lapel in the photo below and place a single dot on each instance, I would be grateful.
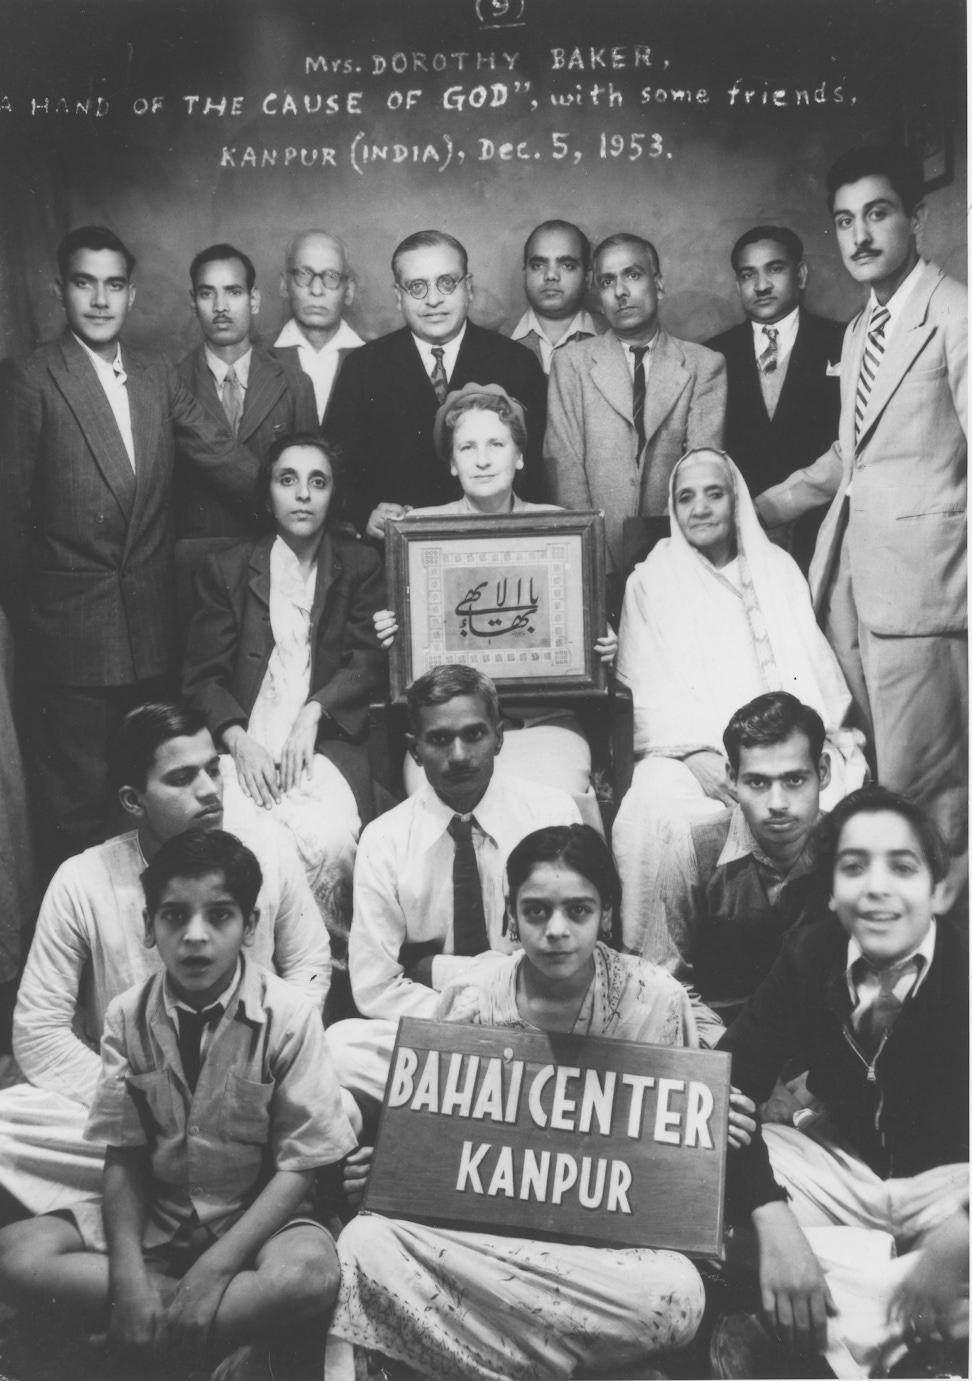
(147, 424)
(326, 562)
(204, 388)
(81, 389)
(667, 379)
(407, 372)
(259, 579)
(793, 381)
(609, 373)
(911, 331)
(264, 387)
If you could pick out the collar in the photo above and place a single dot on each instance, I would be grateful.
(219, 370)
(926, 949)
(174, 1004)
(344, 338)
(898, 300)
(489, 814)
(582, 323)
(787, 327)
(450, 351)
(111, 369)
(742, 843)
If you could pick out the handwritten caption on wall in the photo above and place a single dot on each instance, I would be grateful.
(364, 110)
(574, 1138)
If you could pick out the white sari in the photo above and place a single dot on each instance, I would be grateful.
(696, 644)
(320, 811)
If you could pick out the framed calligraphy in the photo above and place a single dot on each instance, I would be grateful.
(519, 596)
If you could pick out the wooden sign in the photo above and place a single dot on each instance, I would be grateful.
(544, 1135)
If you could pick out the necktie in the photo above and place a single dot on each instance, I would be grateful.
(233, 399)
(769, 359)
(468, 913)
(191, 1027)
(873, 353)
(883, 1011)
(439, 381)
(638, 353)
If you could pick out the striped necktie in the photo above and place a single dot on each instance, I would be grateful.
(769, 359)
(638, 353)
(873, 354)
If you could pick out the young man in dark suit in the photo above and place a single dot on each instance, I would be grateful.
(87, 433)
(782, 365)
(388, 392)
(262, 399)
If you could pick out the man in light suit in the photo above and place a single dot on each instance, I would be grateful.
(889, 571)
(782, 366)
(87, 432)
(261, 398)
(389, 391)
(318, 283)
(625, 406)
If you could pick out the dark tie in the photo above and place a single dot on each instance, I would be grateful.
(191, 1027)
(878, 1019)
(233, 399)
(873, 354)
(439, 381)
(468, 913)
(769, 359)
(638, 353)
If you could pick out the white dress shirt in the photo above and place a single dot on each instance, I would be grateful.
(114, 381)
(786, 328)
(896, 303)
(403, 886)
(89, 947)
(865, 986)
(219, 370)
(321, 366)
(450, 351)
(581, 327)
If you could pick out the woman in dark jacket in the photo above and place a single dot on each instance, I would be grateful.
(283, 660)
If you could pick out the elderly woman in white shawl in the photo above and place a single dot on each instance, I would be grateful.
(715, 616)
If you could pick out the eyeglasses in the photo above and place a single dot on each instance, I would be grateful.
(330, 278)
(446, 284)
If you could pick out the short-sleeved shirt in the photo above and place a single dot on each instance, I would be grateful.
(267, 1099)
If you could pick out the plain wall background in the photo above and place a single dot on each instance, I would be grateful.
(156, 179)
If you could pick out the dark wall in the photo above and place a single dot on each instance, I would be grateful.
(709, 168)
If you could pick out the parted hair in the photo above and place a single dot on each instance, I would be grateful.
(214, 254)
(136, 740)
(330, 450)
(443, 684)
(771, 719)
(196, 854)
(91, 237)
(901, 166)
(429, 239)
(873, 800)
(780, 234)
(578, 847)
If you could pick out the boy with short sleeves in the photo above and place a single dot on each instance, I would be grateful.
(218, 1102)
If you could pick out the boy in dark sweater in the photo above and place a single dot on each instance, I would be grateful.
(874, 1004)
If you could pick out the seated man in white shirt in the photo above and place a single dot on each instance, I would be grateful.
(319, 284)
(556, 276)
(428, 878)
(88, 948)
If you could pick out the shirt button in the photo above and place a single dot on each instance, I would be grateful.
(193, 1131)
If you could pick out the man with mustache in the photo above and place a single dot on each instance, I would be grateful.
(262, 398)
(429, 876)
(733, 886)
(889, 571)
(88, 947)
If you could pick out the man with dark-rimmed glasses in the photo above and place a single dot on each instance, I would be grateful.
(389, 391)
(318, 283)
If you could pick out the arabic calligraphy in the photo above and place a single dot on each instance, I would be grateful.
(510, 612)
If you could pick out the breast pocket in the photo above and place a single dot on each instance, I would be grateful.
(152, 1095)
(245, 1111)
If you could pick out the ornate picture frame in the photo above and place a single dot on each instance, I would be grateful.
(519, 596)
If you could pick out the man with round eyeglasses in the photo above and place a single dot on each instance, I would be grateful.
(389, 391)
(318, 283)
